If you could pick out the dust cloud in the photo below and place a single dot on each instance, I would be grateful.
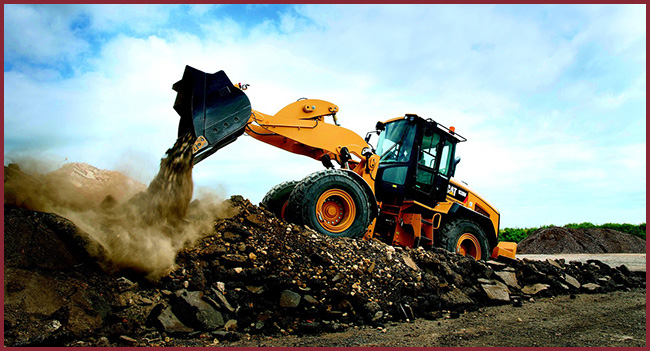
(128, 224)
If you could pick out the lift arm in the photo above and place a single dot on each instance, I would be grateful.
(217, 112)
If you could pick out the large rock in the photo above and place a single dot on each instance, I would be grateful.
(455, 298)
(496, 292)
(572, 281)
(170, 324)
(510, 278)
(289, 299)
(193, 311)
(535, 289)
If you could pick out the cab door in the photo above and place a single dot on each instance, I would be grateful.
(434, 167)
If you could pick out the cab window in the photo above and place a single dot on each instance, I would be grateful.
(446, 157)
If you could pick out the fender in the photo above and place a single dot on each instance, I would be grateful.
(374, 208)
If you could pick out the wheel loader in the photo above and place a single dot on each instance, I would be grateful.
(401, 192)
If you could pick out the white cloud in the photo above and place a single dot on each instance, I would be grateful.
(140, 18)
(41, 34)
(201, 10)
(617, 28)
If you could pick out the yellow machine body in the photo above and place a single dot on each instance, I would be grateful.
(220, 112)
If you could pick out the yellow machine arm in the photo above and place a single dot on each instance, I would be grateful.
(301, 128)
(217, 112)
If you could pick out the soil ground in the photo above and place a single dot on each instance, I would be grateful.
(616, 319)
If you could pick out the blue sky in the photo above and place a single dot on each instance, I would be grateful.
(552, 98)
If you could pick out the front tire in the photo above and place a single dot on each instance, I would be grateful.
(332, 203)
(465, 237)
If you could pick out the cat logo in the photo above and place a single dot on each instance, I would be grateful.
(457, 193)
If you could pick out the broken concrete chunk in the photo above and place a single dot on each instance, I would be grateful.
(496, 265)
(496, 292)
(510, 278)
(554, 263)
(591, 287)
(603, 280)
(409, 262)
(572, 281)
(534, 289)
(484, 281)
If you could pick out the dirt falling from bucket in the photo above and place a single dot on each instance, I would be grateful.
(143, 233)
(167, 199)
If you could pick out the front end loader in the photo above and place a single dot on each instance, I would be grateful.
(402, 192)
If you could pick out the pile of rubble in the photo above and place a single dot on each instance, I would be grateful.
(257, 274)
(556, 240)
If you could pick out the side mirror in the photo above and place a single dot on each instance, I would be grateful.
(453, 166)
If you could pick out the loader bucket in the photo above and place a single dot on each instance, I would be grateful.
(211, 108)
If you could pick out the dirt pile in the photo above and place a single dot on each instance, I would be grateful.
(54, 291)
(256, 274)
(556, 240)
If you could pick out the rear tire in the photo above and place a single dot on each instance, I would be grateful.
(332, 203)
(277, 198)
(465, 237)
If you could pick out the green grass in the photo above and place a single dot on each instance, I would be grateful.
(519, 234)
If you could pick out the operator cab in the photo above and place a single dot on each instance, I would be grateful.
(417, 159)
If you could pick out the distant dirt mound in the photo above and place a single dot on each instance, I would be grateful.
(555, 240)
(77, 186)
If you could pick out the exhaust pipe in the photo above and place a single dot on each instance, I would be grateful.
(212, 109)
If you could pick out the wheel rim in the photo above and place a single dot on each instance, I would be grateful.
(335, 210)
(468, 245)
(284, 209)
